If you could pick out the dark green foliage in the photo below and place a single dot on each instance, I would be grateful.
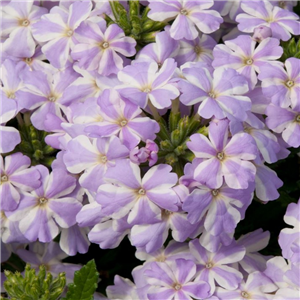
(85, 283)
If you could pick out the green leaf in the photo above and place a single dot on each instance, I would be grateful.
(85, 283)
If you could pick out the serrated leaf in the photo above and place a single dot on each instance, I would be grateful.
(85, 283)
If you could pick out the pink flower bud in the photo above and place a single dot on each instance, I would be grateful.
(261, 33)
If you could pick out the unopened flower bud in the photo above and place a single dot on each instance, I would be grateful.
(261, 33)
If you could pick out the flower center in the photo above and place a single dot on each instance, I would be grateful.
(146, 90)
(28, 60)
(103, 159)
(281, 4)
(52, 99)
(245, 295)
(197, 50)
(11, 95)
(177, 286)
(289, 83)
(4, 178)
(297, 119)
(24, 23)
(43, 200)
(212, 95)
(69, 32)
(141, 192)
(215, 192)
(105, 45)
(184, 11)
(249, 61)
(220, 155)
(123, 123)
(208, 265)
(161, 258)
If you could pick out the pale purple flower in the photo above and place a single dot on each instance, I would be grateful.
(49, 255)
(143, 81)
(175, 280)
(285, 121)
(257, 286)
(16, 177)
(17, 22)
(90, 214)
(163, 48)
(197, 50)
(122, 118)
(189, 16)
(150, 237)
(242, 55)
(223, 158)
(38, 209)
(147, 153)
(289, 238)
(276, 268)
(213, 267)
(220, 94)
(45, 93)
(143, 198)
(97, 47)
(218, 207)
(254, 242)
(282, 22)
(94, 157)
(280, 85)
(55, 31)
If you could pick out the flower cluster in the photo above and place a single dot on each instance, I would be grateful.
(166, 143)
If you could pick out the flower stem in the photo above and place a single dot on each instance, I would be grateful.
(153, 111)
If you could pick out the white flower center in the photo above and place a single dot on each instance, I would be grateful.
(141, 192)
(208, 265)
(220, 155)
(11, 95)
(215, 192)
(177, 286)
(298, 119)
(197, 49)
(146, 90)
(123, 123)
(4, 178)
(28, 60)
(161, 258)
(289, 83)
(249, 61)
(184, 11)
(52, 99)
(25, 23)
(43, 200)
(245, 295)
(212, 95)
(69, 33)
(103, 159)
(105, 45)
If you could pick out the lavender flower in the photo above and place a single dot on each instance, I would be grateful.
(141, 198)
(175, 280)
(282, 22)
(97, 47)
(280, 85)
(16, 177)
(17, 23)
(147, 153)
(38, 209)
(142, 81)
(221, 94)
(122, 118)
(223, 158)
(189, 16)
(240, 54)
(56, 31)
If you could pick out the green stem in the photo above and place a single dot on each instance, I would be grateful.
(27, 118)
(153, 111)
(175, 105)
(19, 119)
